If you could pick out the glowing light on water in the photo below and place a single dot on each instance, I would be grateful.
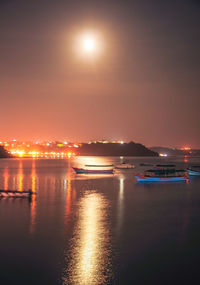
(33, 200)
(120, 203)
(20, 176)
(89, 258)
(68, 190)
(6, 177)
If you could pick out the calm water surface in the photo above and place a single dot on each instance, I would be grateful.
(95, 230)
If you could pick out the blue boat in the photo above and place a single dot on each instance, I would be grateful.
(92, 171)
(143, 178)
(194, 170)
(163, 174)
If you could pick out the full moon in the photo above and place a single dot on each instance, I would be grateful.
(89, 43)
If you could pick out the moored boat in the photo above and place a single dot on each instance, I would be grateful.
(99, 165)
(16, 194)
(194, 170)
(92, 171)
(144, 178)
(125, 165)
(163, 174)
(165, 165)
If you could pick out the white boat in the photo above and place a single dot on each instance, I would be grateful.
(125, 165)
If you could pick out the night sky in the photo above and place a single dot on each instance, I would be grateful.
(143, 86)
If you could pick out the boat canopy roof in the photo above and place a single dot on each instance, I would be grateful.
(165, 171)
(165, 165)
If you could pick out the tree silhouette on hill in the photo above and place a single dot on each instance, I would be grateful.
(115, 149)
(4, 153)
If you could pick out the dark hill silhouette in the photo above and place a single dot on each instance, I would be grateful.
(115, 149)
(4, 153)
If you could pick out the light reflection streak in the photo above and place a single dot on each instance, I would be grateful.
(120, 203)
(33, 199)
(20, 175)
(90, 252)
(68, 197)
(68, 192)
(6, 177)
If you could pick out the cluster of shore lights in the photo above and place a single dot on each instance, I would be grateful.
(22, 153)
(186, 148)
(163, 154)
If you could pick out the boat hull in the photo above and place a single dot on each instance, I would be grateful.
(15, 194)
(142, 178)
(91, 171)
(193, 172)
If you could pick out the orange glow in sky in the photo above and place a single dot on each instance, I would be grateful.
(92, 68)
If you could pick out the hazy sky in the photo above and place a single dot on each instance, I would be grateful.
(143, 86)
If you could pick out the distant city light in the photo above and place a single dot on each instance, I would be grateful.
(163, 154)
(122, 142)
(187, 148)
(40, 149)
(69, 154)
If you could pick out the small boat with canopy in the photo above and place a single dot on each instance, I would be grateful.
(162, 173)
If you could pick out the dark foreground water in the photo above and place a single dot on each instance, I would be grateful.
(91, 230)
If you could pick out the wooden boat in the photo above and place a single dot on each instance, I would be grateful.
(99, 165)
(92, 171)
(15, 194)
(162, 175)
(194, 170)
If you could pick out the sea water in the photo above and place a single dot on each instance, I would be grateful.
(105, 229)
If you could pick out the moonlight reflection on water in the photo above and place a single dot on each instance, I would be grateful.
(89, 257)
